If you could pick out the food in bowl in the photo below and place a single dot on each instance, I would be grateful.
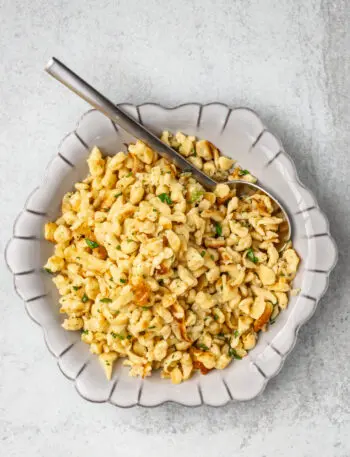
(154, 269)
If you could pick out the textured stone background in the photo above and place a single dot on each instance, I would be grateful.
(289, 60)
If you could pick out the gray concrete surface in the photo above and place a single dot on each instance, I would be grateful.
(289, 60)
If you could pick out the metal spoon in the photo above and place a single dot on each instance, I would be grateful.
(76, 84)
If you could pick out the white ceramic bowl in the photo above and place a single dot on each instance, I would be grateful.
(238, 133)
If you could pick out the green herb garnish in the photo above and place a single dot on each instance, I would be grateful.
(165, 198)
(48, 271)
(236, 333)
(123, 281)
(118, 247)
(203, 346)
(118, 194)
(84, 298)
(216, 317)
(161, 282)
(218, 229)
(203, 253)
(129, 337)
(91, 244)
(106, 300)
(76, 288)
(251, 256)
(150, 328)
(146, 307)
(85, 332)
(129, 174)
(212, 257)
(196, 195)
(243, 172)
(117, 335)
(233, 353)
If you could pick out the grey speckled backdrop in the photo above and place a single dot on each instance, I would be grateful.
(289, 60)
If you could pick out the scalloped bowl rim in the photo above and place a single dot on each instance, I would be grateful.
(297, 326)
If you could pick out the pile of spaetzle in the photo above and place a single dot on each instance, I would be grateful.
(154, 269)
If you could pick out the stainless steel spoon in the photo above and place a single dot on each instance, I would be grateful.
(76, 84)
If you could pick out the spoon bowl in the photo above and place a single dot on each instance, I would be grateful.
(244, 189)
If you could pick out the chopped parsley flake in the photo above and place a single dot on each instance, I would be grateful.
(117, 335)
(118, 195)
(48, 271)
(243, 172)
(233, 353)
(106, 300)
(203, 346)
(196, 195)
(129, 337)
(165, 198)
(153, 326)
(129, 174)
(251, 256)
(76, 288)
(212, 257)
(203, 253)
(85, 332)
(236, 333)
(123, 281)
(216, 317)
(85, 298)
(218, 229)
(118, 247)
(91, 244)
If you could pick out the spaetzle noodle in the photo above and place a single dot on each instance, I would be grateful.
(154, 269)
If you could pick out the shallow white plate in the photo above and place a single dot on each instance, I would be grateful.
(238, 133)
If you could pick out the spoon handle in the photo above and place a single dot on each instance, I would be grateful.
(76, 84)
